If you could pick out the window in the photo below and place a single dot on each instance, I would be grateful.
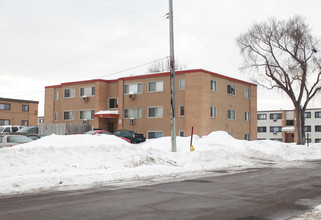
(4, 106)
(181, 110)
(87, 91)
(182, 133)
(133, 113)
(307, 114)
(86, 114)
(275, 116)
(275, 129)
(213, 112)
(247, 93)
(154, 134)
(69, 115)
(247, 137)
(247, 116)
(155, 112)
(56, 95)
(4, 122)
(181, 84)
(155, 86)
(25, 123)
(231, 114)
(261, 116)
(289, 122)
(25, 108)
(307, 128)
(69, 93)
(134, 88)
(316, 114)
(231, 89)
(113, 103)
(318, 128)
(317, 140)
(213, 85)
(55, 116)
(261, 129)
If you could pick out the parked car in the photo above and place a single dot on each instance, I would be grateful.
(95, 132)
(12, 140)
(133, 136)
(10, 128)
(33, 136)
(29, 129)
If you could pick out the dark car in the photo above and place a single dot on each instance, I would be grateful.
(95, 132)
(133, 136)
(29, 129)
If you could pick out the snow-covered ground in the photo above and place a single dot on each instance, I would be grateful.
(79, 161)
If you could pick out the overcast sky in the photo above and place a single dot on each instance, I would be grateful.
(49, 42)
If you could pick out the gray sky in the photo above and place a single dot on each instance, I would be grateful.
(49, 42)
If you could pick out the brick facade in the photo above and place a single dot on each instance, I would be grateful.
(196, 99)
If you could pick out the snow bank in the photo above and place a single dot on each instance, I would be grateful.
(77, 161)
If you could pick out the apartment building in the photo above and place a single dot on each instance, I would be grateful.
(205, 100)
(280, 125)
(18, 112)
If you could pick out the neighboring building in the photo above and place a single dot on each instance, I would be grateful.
(281, 125)
(205, 100)
(18, 112)
(41, 120)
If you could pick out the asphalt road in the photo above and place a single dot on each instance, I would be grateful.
(268, 193)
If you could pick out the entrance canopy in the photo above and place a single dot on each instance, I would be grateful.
(106, 114)
(288, 129)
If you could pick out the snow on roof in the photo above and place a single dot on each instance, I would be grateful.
(115, 112)
(288, 129)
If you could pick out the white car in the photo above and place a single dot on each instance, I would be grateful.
(12, 140)
(10, 128)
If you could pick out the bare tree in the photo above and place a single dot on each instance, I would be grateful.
(164, 66)
(284, 54)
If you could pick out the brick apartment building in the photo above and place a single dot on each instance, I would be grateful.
(280, 125)
(205, 100)
(18, 112)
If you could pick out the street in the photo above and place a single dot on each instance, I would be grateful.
(268, 193)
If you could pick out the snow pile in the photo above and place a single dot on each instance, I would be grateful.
(78, 161)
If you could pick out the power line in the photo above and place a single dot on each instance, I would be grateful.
(134, 67)
(97, 50)
(77, 36)
(206, 44)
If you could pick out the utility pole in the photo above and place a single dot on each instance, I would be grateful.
(172, 77)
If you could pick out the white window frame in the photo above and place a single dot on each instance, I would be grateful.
(137, 88)
(159, 86)
(247, 137)
(181, 85)
(24, 123)
(56, 95)
(155, 107)
(92, 113)
(213, 110)
(231, 88)
(155, 134)
(247, 93)
(229, 114)
(138, 113)
(69, 119)
(109, 102)
(180, 111)
(55, 117)
(25, 108)
(71, 92)
(88, 91)
(213, 85)
(247, 116)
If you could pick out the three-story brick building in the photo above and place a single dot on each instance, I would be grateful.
(205, 100)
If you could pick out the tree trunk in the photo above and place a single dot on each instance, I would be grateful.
(300, 125)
